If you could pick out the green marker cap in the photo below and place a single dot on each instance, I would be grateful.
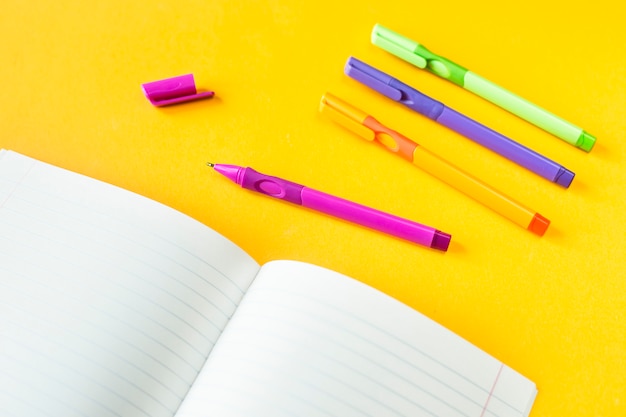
(586, 141)
(417, 54)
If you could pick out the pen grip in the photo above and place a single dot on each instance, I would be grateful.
(417, 100)
(368, 217)
(390, 139)
(272, 186)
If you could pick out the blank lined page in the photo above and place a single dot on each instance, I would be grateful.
(109, 302)
(310, 342)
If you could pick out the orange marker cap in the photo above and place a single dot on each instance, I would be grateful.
(539, 224)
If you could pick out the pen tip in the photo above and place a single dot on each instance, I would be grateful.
(210, 164)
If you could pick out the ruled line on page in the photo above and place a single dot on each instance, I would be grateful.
(364, 340)
(331, 366)
(296, 306)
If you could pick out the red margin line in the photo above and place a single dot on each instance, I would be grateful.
(492, 390)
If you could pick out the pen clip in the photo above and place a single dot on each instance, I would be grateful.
(417, 54)
(398, 45)
(371, 77)
(346, 115)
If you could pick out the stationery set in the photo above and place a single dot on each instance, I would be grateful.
(114, 305)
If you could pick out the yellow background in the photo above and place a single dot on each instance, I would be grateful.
(552, 308)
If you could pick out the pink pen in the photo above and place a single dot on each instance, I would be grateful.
(335, 206)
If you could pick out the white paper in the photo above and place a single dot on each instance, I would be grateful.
(306, 341)
(109, 302)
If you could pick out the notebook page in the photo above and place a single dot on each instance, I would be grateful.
(109, 302)
(311, 342)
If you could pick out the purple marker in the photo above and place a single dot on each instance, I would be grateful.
(335, 206)
(437, 111)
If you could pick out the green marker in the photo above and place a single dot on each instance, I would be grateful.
(421, 57)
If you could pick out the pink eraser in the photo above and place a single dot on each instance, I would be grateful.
(173, 91)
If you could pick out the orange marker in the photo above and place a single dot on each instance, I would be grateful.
(372, 130)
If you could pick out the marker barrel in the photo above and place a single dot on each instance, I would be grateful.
(372, 218)
(506, 147)
(334, 206)
(526, 110)
(481, 192)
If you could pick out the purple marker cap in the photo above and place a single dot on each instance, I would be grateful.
(564, 177)
(372, 78)
(174, 90)
(441, 240)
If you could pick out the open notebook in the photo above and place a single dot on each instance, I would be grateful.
(114, 305)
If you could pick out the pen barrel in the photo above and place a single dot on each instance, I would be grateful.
(506, 147)
(523, 108)
(475, 188)
(338, 207)
(369, 217)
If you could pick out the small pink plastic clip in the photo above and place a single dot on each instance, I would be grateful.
(173, 91)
